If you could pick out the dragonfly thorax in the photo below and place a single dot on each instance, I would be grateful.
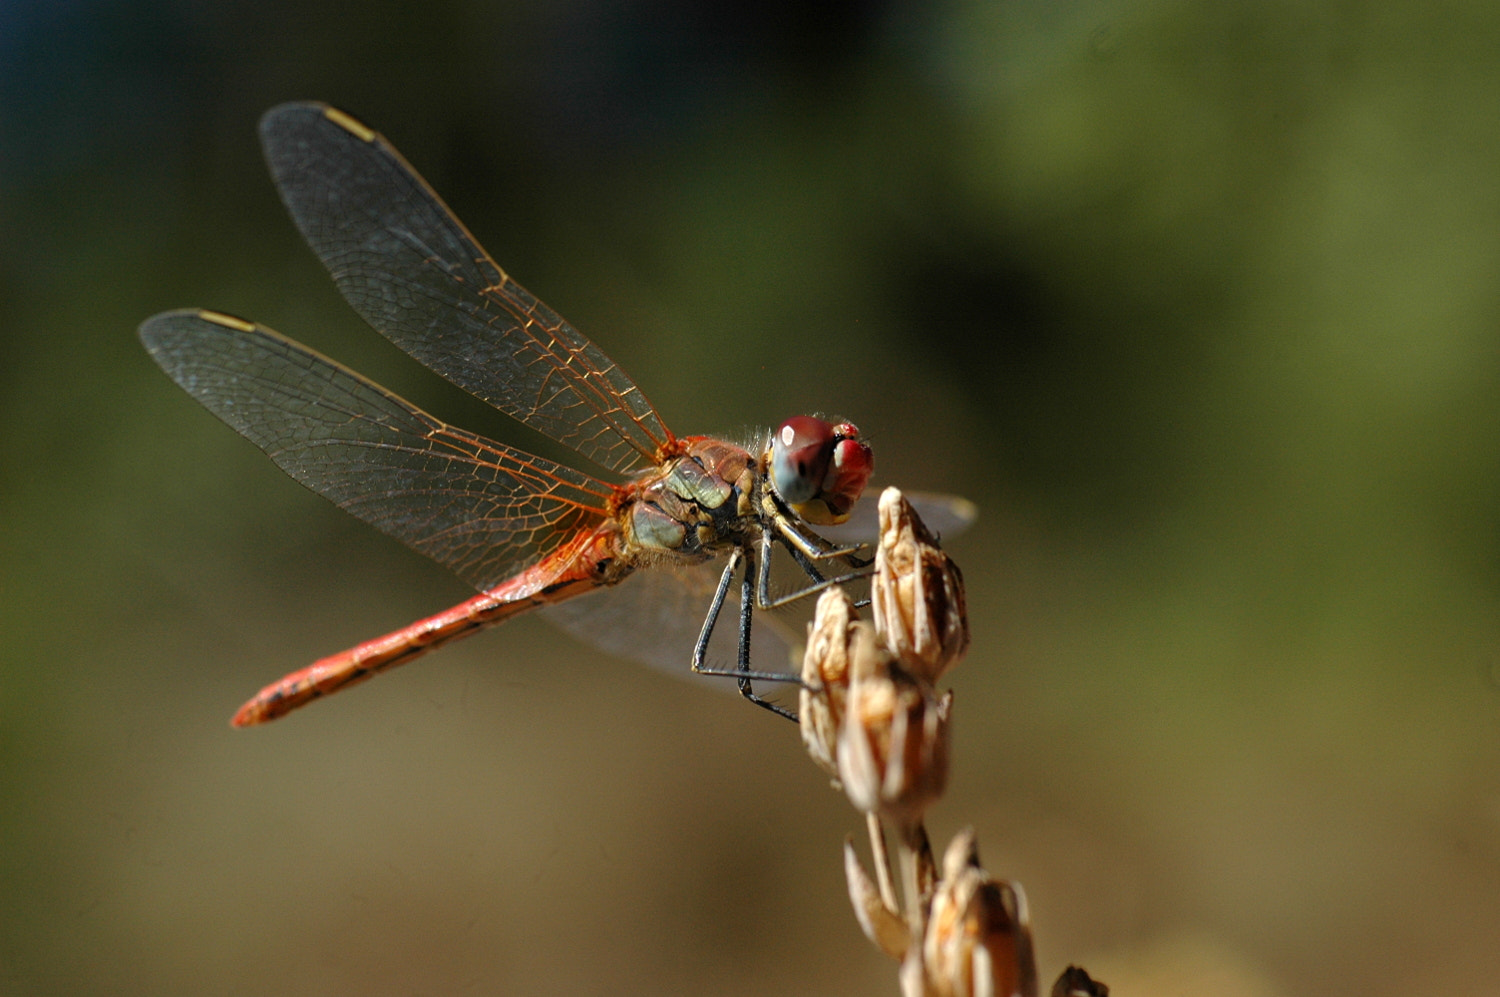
(698, 503)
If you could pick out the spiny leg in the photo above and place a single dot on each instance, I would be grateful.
(700, 650)
(747, 609)
(815, 547)
(763, 597)
(741, 672)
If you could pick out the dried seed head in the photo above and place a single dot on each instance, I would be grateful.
(881, 925)
(978, 940)
(893, 742)
(831, 639)
(918, 593)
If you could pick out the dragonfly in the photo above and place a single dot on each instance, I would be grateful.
(525, 531)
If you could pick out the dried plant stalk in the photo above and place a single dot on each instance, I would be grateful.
(870, 716)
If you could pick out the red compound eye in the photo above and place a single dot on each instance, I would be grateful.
(819, 468)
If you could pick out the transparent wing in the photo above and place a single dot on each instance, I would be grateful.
(478, 507)
(412, 270)
(656, 615)
(945, 515)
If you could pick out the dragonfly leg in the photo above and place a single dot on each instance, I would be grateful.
(741, 673)
(700, 650)
(803, 561)
(763, 597)
(816, 548)
(747, 608)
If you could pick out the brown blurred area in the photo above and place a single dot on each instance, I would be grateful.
(1199, 303)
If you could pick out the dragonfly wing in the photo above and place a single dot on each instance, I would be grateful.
(478, 507)
(655, 616)
(945, 515)
(412, 270)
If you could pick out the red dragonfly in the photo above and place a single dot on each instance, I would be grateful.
(525, 531)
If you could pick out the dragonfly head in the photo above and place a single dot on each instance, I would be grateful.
(819, 468)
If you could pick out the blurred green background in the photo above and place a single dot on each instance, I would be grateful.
(1199, 302)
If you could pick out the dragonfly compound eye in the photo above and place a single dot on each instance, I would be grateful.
(819, 468)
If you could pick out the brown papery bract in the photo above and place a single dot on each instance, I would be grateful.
(871, 715)
(917, 593)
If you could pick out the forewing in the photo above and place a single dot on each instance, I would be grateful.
(479, 507)
(412, 270)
